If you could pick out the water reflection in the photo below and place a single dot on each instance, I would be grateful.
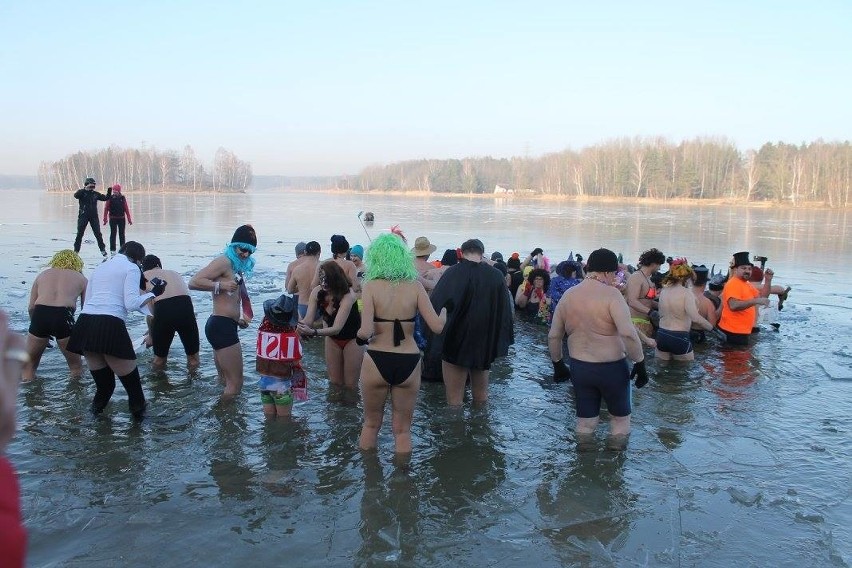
(227, 460)
(389, 515)
(587, 507)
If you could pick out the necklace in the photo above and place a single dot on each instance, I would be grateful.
(596, 279)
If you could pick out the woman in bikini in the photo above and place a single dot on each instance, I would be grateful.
(336, 303)
(678, 312)
(392, 297)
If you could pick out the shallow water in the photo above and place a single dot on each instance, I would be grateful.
(741, 457)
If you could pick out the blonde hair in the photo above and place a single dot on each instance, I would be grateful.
(66, 259)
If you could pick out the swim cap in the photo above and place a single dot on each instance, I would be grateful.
(357, 250)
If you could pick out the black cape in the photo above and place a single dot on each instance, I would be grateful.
(479, 329)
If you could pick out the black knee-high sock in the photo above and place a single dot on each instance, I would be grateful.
(105, 383)
(135, 397)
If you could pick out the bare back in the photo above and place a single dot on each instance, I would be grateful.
(678, 309)
(303, 275)
(58, 287)
(389, 301)
(597, 320)
(175, 284)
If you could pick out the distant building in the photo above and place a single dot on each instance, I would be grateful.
(499, 189)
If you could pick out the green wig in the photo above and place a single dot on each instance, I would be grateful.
(388, 258)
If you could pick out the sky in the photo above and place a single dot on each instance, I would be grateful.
(328, 88)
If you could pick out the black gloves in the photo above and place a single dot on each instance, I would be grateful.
(654, 317)
(159, 286)
(640, 374)
(561, 372)
(450, 305)
(536, 251)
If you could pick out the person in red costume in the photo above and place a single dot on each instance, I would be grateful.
(13, 536)
(116, 211)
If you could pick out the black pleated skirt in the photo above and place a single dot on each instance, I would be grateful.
(102, 334)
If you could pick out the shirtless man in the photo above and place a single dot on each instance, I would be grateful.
(53, 299)
(339, 249)
(173, 313)
(300, 255)
(596, 319)
(421, 251)
(224, 278)
(678, 313)
(706, 308)
(641, 293)
(299, 283)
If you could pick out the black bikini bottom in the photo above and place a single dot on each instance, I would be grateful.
(394, 368)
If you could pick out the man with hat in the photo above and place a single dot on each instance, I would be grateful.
(421, 251)
(596, 318)
(478, 328)
(706, 308)
(88, 213)
(301, 273)
(225, 278)
(172, 313)
(740, 300)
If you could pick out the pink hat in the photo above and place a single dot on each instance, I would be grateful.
(116, 187)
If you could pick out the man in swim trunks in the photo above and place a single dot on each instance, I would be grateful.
(740, 300)
(299, 284)
(706, 308)
(53, 300)
(641, 292)
(596, 319)
(225, 278)
(88, 213)
(172, 313)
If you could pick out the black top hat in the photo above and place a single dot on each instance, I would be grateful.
(279, 311)
(740, 259)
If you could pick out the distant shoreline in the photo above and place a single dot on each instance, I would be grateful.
(588, 199)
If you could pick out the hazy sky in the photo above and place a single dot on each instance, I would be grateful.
(321, 88)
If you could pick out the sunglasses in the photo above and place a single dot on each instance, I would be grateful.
(244, 250)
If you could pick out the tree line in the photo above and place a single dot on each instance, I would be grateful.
(703, 168)
(147, 169)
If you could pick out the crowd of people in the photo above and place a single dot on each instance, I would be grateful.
(389, 318)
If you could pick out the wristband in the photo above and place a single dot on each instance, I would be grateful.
(316, 332)
(216, 288)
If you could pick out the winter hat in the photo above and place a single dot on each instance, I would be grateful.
(339, 244)
(300, 248)
(116, 187)
(245, 234)
(90, 181)
(358, 251)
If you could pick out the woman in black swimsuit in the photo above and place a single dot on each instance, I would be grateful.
(392, 297)
(336, 303)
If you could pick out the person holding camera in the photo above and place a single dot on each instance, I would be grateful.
(173, 313)
(88, 213)
(100, 333)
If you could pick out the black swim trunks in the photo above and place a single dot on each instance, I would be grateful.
(174, 315)
(595, 381)
(674, 342)
(51, 321)
(221, 332)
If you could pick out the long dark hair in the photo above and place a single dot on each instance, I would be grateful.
(336, 283)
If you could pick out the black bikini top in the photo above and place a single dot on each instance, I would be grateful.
(398, 334)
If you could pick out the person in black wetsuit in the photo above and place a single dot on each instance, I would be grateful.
(117, 213)
(88, 214)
